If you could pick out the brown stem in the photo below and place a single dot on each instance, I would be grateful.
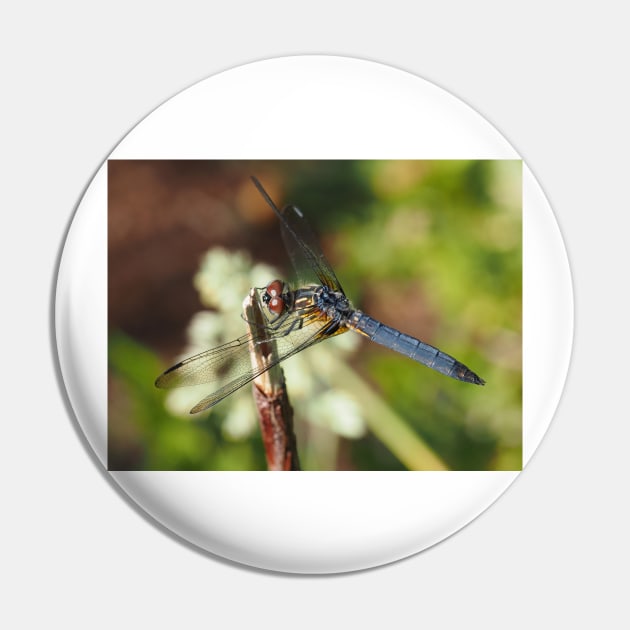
(275, 414)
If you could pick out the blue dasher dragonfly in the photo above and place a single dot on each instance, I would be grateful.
(297, 318)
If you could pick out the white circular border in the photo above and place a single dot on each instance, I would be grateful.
(319, 108)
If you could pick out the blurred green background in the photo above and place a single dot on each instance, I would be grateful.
(433, 248)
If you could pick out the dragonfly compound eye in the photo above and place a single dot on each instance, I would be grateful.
(274, 289)
(276, 305)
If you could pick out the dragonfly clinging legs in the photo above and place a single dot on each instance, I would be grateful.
(297, 318)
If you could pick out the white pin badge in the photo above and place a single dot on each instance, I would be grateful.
(322, 266)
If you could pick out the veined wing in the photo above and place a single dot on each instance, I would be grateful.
(231, 363)
(302, 245)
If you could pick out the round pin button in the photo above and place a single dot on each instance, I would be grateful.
(361, 283)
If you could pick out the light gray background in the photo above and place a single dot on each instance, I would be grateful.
(553, 79)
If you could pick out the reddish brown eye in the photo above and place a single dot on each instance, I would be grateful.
(276, 305)
(274, 289)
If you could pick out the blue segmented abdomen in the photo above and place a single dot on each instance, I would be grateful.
(412, 348)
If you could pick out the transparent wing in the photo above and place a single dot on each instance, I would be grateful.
(231, 363)
(302, 245)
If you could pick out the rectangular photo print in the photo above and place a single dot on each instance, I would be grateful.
(315, 315)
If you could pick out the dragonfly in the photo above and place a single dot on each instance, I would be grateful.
(296, 319)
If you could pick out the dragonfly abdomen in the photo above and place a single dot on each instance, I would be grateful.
(412, 348)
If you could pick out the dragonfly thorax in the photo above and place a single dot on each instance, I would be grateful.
(333, 304)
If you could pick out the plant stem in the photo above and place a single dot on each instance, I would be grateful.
(275, 414)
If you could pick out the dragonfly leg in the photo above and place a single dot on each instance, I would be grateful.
(296, 324)
(273, 324)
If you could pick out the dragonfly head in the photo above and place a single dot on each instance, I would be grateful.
(273, 297)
